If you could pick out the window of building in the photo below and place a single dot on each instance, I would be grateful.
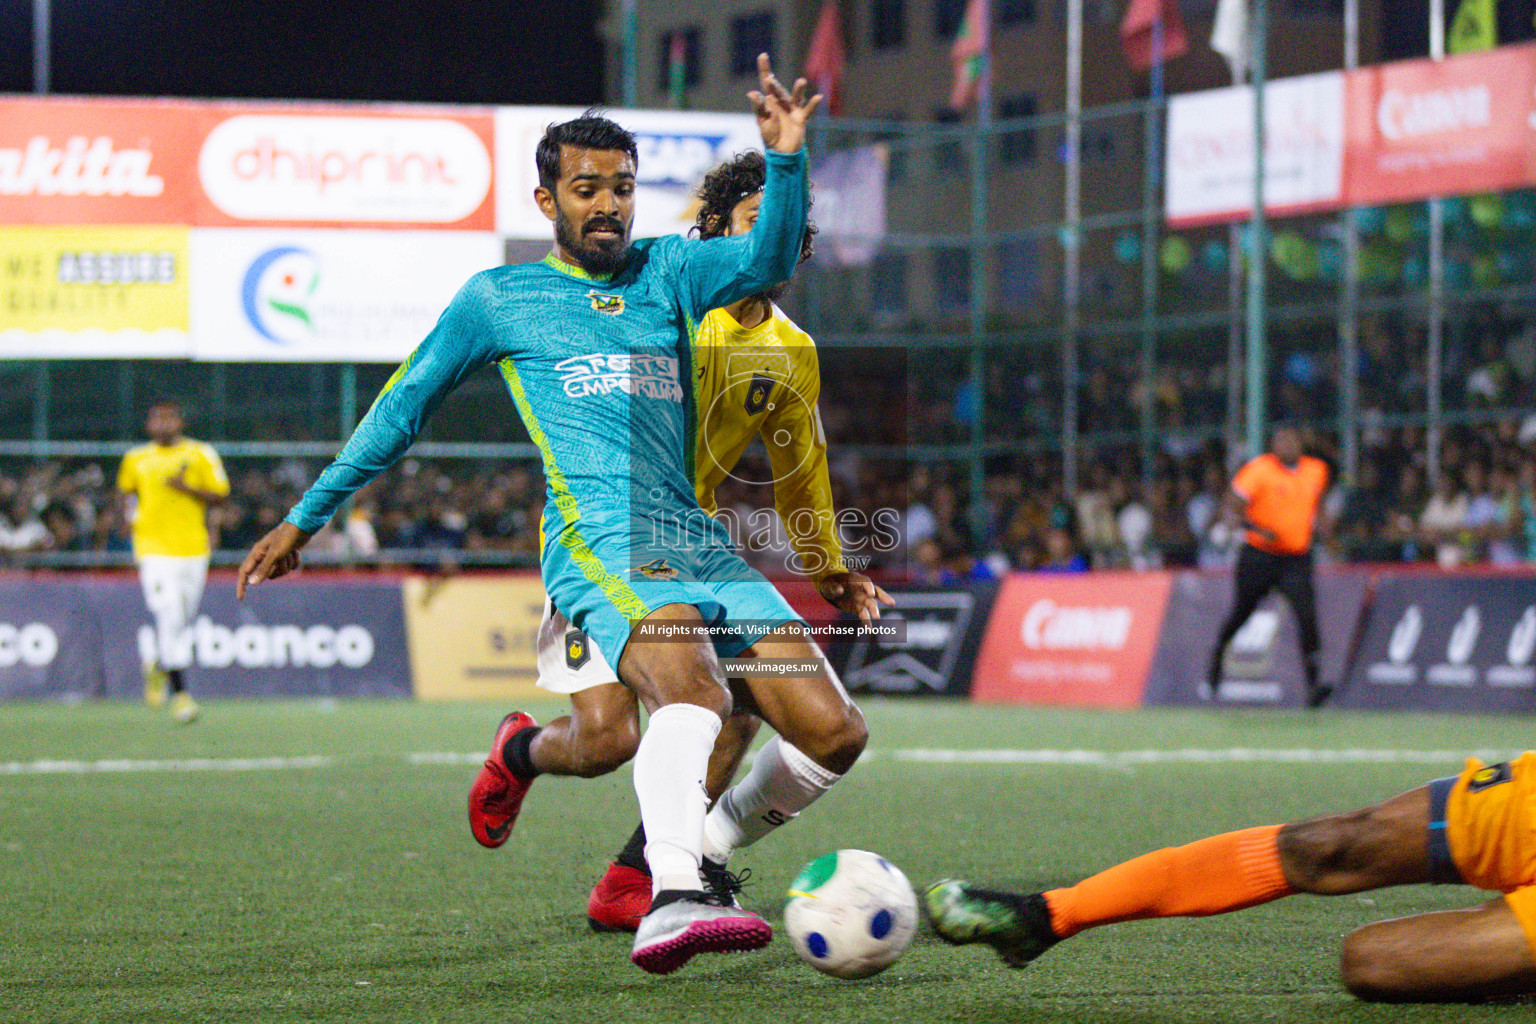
(751, 34)
(1018, 145)
(888, 286)
(896, 164)
(947, 15)
(1018, 272)
(1015, 12)
(949, 150)
(888, 24)
(952, 278)
(693, 59)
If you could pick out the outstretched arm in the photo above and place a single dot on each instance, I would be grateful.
(461, 342)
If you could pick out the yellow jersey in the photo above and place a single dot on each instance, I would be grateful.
(764, 382)
(166, 521)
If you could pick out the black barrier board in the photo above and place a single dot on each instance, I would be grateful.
(936, 653)
(1263, 664)
(1448, 643)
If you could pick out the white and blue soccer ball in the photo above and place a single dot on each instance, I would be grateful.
(850, 914)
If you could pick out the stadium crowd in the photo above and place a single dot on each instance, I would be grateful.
(903, 514)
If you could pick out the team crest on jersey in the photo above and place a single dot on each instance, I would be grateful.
(578, 651)
(1491, 776)
(656, 569)
(758, 392)
(610, 304)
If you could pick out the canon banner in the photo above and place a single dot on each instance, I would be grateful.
(1448, 643)
(1263, 663)
(936, 652)
(1386, 134)
(1057, 639)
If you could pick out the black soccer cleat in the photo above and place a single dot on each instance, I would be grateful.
(1017, 925)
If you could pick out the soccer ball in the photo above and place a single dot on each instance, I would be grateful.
(850, 914)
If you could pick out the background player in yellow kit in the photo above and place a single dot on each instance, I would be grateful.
(170, 483)
(755, 375)
(1477, 828)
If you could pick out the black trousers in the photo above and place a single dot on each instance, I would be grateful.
(1259, 572)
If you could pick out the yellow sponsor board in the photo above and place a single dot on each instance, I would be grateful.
(473, 638)
(79, 278)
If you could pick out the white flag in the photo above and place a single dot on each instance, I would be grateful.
(1229, 36)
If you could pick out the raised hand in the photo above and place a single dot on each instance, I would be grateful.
(276, 554)
(781, 115)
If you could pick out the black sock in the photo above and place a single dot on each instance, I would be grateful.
(633, 854)
(517, 753)
(173, 678)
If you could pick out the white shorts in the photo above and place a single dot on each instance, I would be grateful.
(173, 588)
(569, 660)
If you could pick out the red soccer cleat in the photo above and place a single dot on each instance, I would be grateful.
(497, 794)
(619, 900)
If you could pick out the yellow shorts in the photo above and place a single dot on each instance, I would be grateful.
(1489, 822)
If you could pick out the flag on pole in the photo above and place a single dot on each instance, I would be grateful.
(971, 55)
(677, 70)
(824, 63)
(1229, 36)
(1138, 33)
(1475, 27)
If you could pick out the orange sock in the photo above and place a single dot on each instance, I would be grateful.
(1211, 876)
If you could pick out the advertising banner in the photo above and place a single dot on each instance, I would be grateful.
(1423, 128)
(353, 165)
(676, 149)
(62, 637)
(79, 161)
(850, 204)
(1448, 643)
(473, 637)
(261, 294)
(937, 651)
(1209, 159)
(1263, 665)
(76, 292)
(1061, 639)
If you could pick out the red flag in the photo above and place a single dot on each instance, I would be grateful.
(824, 63)
(1139, 27)
(970, 54)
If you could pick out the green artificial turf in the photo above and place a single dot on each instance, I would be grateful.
(349, 889)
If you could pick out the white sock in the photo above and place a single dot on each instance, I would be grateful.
(669, 780)
(783, 782)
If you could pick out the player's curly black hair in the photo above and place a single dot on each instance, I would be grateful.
(589, 131)
(725, 186)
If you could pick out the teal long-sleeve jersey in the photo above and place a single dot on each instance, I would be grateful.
(600, 368)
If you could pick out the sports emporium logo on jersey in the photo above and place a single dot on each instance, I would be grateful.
(278, 292)
(654, 376)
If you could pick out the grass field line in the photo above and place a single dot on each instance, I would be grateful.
(1114, 758)
(920, 755)
(186, 764)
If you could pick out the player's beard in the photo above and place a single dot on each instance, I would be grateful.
(770, 295)
(600, 257)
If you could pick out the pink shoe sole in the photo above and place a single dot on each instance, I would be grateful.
(722, 935)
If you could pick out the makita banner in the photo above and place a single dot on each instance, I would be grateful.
(1262, 666)
(936, 652)
(1448, 643)
(1058, 639)
(90, 637)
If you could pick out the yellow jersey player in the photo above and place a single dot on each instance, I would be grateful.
(755, 375)
(169, 484)
(1475, 828)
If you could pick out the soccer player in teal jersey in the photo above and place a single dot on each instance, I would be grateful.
(595, 346)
